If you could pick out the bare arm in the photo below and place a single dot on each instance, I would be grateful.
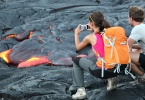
(80, 45)
(130, 42)
(132, 45)
(136, 46)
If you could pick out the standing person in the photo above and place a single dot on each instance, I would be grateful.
(97, 24)
(136, 18)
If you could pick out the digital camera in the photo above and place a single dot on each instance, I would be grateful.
(84, 27)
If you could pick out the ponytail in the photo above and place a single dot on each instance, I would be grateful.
(99, 21)
(105, 24)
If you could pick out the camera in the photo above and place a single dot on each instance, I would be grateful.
(84, 27)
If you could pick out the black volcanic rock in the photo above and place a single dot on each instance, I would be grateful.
(55, 21)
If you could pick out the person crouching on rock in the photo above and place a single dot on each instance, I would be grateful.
(136, 42)
(97, 23)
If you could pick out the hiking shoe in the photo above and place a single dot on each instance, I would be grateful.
(80, 94)
(72, 90)
(112, 84)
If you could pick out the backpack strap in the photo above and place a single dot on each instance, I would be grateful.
(103, 61)
(117, 69)
(112, 43)
(128, 68)
(127, 71)
(102, 65)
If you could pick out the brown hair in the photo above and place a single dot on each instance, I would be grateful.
(136, 13)
(99, 21)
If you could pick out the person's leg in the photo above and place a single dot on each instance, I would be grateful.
(142, 64)
(138, 61)
(78, 76)
(79, 66)
(135, 65)
(82, 64)
(136, 69)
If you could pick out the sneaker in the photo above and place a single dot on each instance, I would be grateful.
(72, 90)
(80, 94)
(112, 84)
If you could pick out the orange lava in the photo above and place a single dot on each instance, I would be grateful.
(34, 61)
(30, 34)
(5, 55)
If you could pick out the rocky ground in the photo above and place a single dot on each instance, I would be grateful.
(56, 20)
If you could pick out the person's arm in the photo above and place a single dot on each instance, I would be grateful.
(80, 45)
(136, 46)
(130, 42)
(134, 37)
(133, 46)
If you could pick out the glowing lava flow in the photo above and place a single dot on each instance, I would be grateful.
(34, 61)
(28, 63)
(5, 55)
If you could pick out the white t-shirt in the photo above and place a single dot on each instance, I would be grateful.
(138, 35)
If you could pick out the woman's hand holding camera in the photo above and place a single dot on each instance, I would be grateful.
(78, 30)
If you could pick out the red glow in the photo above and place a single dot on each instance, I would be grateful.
(30, 34)
(50, 26)
(58, 39)
(34, 61)
(11, 35)
(39, 36)
(71, 30)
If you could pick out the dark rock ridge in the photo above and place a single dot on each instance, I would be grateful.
(53, 23)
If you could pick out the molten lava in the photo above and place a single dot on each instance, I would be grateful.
(34, 61)
(30, 34)
(28, 63)
(5, 55)
(11, 36)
